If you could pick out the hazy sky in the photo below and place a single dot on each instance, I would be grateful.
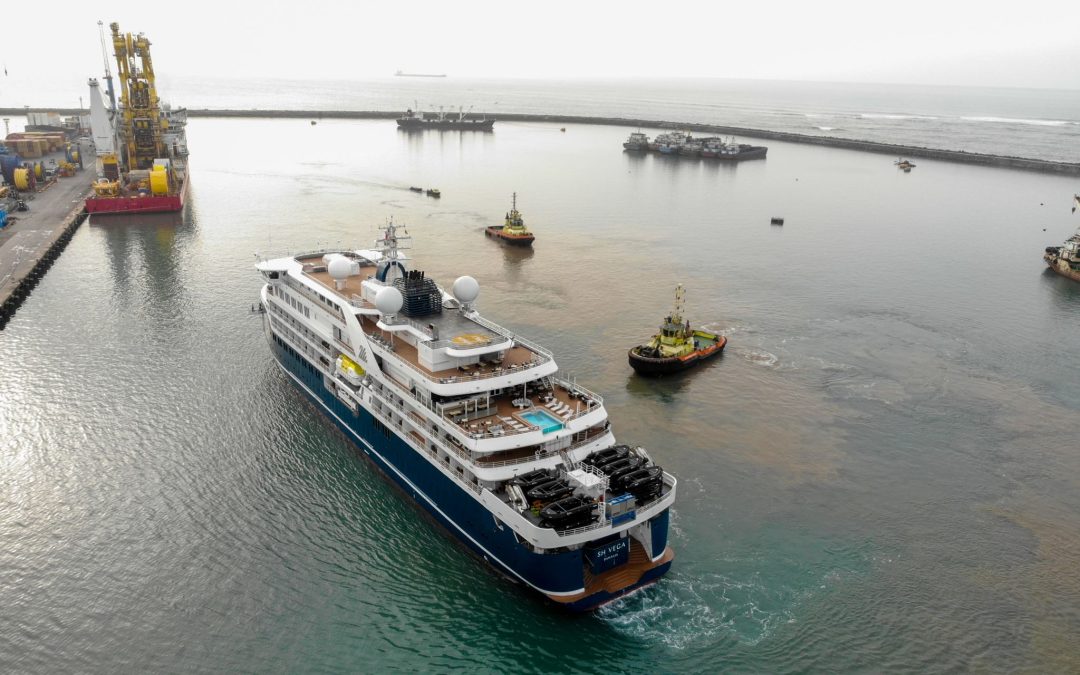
(1034, 43)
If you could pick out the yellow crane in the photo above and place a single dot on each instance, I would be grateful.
(141, 121)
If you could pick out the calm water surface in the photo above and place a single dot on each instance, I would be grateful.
(879, 474)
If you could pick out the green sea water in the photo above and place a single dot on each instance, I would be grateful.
(879, 474)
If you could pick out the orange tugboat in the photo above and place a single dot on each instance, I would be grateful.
(513, 230)
(676, 347)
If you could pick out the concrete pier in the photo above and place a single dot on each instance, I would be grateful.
(29, 246)
(909, 151)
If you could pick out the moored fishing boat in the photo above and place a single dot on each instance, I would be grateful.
(710, 147)
(669, 143)
(513, 230)
(474, 423)
(637, 142)
(676, 347)
(733, 152)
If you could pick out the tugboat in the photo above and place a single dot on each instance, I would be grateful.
(676, 347)
(434, 192)
(513, 230)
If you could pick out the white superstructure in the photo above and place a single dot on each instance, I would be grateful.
(477, 402)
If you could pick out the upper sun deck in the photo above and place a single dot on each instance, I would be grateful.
(448, 347)
(313, 267)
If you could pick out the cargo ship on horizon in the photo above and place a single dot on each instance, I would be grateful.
(401, 73)
(141, 145)
(475, 423)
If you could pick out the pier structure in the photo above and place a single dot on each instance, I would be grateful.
(33, 239)
(896, 150)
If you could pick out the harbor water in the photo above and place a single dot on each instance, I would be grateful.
(879, 474)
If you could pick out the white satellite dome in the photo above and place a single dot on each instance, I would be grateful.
(339, 267)
(466, 289)
(389, 300)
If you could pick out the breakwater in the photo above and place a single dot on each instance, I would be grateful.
(911, 151)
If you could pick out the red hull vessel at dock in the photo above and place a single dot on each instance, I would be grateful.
(141, 143)
(138, 203)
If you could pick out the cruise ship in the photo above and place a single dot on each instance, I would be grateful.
(473, 422)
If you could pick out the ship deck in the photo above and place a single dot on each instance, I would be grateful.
(620, 578)
(515, 358)
(447, 325)
(315, 269)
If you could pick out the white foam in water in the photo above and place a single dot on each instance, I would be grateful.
(1012, 120)
(682, 612)
(826, 128)
(761, 357)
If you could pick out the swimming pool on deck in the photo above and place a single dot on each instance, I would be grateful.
(543, 419)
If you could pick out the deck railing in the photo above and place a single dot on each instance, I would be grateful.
(476, 458)
(496, 328)
(384, 344)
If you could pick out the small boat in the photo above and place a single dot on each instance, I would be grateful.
(567, 513)
(434, 192)
(548, 492)
(612, 454)
(1065, 259)
(904, 164)
(313, 122)
(676, 347)
(616, 470)
(637, 142)
(513, 230)
(776, 221)
(530, 480)
(643, 483)
(416, 189)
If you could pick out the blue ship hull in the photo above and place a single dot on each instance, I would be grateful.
(553, 574)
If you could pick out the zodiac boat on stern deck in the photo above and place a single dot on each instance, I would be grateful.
(472, 421)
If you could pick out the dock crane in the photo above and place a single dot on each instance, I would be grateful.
(141, 123)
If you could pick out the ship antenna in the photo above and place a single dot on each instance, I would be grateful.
(676, 316)
(515, 202)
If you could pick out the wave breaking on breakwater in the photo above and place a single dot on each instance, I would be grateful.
(1013, 120)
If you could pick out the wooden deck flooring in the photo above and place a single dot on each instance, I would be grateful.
(615, 580)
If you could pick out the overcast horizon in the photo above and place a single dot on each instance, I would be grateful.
(924, 43)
